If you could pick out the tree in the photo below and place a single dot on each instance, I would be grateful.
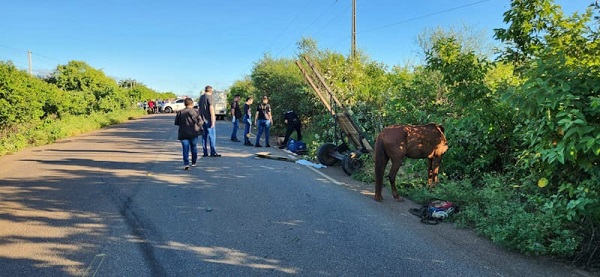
(528, 20)
(22, 97)
(557, 110)
(79, 77)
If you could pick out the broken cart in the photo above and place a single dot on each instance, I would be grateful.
(329, 154)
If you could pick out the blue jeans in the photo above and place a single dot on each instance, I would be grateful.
(236, 126)
(187, 145)
(263, 126)
(209, 133)
(246, 129)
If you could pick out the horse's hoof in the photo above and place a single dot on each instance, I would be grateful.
(399, 199)
(378, 199)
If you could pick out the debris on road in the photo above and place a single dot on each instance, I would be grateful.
(307, 163)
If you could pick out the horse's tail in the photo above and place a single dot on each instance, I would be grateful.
(381, 159)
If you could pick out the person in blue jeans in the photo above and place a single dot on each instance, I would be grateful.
(207, 113)
(263, 120)
(236, 116)
(248, 120)
(190, 127)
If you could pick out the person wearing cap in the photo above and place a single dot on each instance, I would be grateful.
(263, 120)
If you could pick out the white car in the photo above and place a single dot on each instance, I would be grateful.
(174, 106)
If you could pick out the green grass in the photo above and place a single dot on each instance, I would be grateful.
(49, 130)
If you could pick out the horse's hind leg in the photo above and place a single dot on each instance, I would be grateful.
(396, 163)
(381, 160)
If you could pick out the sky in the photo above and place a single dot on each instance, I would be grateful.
(183, 45)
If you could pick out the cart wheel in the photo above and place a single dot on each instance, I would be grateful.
(351, 163)
(324, 154)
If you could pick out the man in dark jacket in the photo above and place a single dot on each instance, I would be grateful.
(190, 127)
(293, 124)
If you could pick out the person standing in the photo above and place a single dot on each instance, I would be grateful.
(207, 113)
(150, 106)
(293, 123)
(263, 120)
(190, 127)
(248, 120)
(236, 116)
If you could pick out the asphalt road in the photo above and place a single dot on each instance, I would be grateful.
(116, 202)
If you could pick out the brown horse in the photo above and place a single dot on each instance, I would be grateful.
(416, 142)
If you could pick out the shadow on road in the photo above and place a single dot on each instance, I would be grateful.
(88, 197)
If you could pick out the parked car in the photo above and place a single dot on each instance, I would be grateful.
(174, 106)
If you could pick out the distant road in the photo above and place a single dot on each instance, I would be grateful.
(116, 202)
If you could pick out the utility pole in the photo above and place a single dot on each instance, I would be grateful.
(353, 53)
(29, 58)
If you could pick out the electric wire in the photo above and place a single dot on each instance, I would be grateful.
(412, 19)
(309, 26)
(290, 23)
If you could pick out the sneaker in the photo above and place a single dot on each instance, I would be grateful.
(247, 143)
(268, 145)
(186, 167)
(281, 146)
(235, 140)
(193, 165)
(215, 155)
(205, 155)
(257, 145)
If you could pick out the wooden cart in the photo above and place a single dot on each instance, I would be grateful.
(330, 154)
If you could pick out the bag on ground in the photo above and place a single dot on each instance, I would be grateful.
(436, 211)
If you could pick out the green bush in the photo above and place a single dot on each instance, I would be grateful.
(523, 130)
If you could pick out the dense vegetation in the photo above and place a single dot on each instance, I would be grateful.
(523, 126)
(74, 99)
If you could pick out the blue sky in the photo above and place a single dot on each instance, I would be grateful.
(183, 45)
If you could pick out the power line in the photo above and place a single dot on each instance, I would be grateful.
(290, 23)
(12, 48)
(424, 16)
(309, 25)
(414, 18)
(32, 53)
(319, 16)
(336, 16)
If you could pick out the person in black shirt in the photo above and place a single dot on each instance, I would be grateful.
(293, 124)
(190, 127)
(207, 112)
(247, 120)
(263, 121)
(236, 116)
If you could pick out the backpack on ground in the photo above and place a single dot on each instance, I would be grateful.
(435, 211)
(296, 146)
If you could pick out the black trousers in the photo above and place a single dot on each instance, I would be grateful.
(291, 127)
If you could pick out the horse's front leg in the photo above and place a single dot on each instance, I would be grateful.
(434, 168)
(430, 173)
(392, 177)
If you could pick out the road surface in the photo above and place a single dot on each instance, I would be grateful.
(116, 202)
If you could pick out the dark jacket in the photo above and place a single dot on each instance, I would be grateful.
(291, 117)
(189, 122)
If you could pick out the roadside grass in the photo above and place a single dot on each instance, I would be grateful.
(52, 129)
(492, 206)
